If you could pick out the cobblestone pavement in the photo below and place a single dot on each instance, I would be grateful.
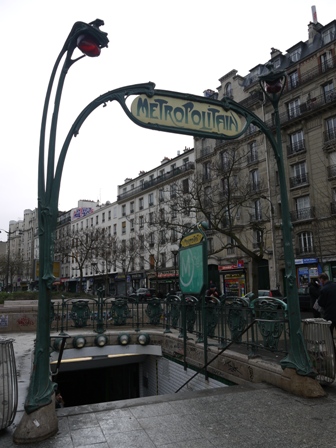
(236, 417)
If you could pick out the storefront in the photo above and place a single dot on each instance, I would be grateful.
(233, 279)
(307, 269)
(165, 282)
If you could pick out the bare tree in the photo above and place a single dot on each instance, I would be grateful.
(81, 247)
(232, 201)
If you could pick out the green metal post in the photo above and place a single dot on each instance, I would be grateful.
(41, 387)
(297, 358)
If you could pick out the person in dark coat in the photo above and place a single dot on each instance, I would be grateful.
(327, 300)
(314, 293)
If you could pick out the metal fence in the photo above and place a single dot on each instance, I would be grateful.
(207, 321)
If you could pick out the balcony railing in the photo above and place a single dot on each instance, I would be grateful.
(158, 180)
(296, 148)
(312, 105)
(302, 214)
(299, 180)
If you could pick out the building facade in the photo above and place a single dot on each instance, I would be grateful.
(245, 170)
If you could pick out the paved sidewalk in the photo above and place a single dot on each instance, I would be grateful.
(235, 417)
(256, 415)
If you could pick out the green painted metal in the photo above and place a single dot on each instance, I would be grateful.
(119, 311)
(80, 312)
(41, 387)
(154, 311)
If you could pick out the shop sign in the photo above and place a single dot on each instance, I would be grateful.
(306, 260)
(229, 267)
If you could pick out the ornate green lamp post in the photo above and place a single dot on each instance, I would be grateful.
(90, 40)
(273, 84)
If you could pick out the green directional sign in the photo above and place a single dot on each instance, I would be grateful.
(193, 265)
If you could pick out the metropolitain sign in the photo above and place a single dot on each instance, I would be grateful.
(160, 112)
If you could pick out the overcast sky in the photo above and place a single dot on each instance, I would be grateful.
(182, 45)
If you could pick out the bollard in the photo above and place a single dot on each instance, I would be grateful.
(8, 383)
(321, 349)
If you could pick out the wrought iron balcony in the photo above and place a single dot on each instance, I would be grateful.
(296, 148)
(157, 181)
(302, 214)
(298, 181)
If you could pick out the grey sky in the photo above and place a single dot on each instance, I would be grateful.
(180, 45)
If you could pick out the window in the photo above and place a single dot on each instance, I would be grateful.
(132, 207)
(174, 211)
(151, 218)
(141, 263)
(185, 186)
(123, 210)
(151, 199)
(295, 55)
(151, 261)
(142, 241)
(173, 235)
(103, 217)
(257, 238)
(326, 61)
(162, 215)
(97, 219)
(151, 239)
(114, 229)
(303, 207)
(163, 259)
(162, 237)
(230, 245)
(228, 90)
(173, 190)
(296, 141)
(331, 128)
(123, 227)
(141, 222)
(109, 215)
(207, 196)
(161, 195)
(132, 224)
(225, 161)
(329, 92)
(328, 36)
(293, 108)
(91, 222)
(185, 161)
(141, 203)
(293, 79)
(81, 225)
(257, 210)
(254, 176)
(299, 174)
(305, 242)
(86, 224)
(173, 166)
(206, 171)
(253, 152)
(210, 245)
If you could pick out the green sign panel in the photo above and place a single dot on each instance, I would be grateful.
(193, 267)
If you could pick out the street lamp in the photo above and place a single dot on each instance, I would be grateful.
(89, 39)
(175, 252)
(272, 85)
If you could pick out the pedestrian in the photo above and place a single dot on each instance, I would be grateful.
(59, 402)
(327, 300)
(212, 291)
(314, 293)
